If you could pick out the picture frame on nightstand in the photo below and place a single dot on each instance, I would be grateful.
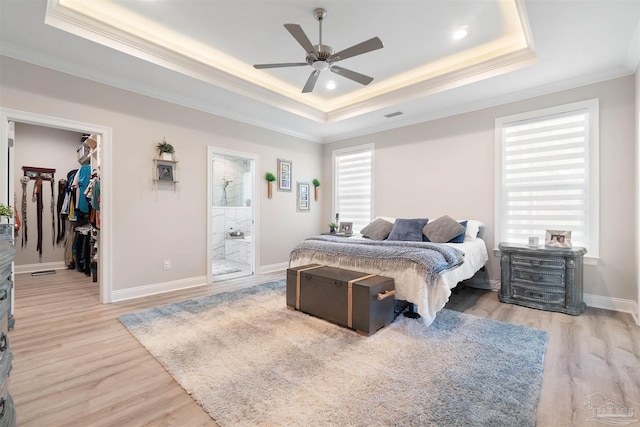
(557, 239)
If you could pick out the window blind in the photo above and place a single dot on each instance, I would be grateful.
(353, 189)
(545, 177)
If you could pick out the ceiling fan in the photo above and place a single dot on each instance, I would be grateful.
(321, 56)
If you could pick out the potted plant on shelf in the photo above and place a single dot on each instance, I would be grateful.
(316, 184)
(165, 150)
(270, 177)
(6, 212)
(6, 230)
(333, 227)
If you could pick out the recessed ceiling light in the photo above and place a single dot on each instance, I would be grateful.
(460, 33)
(331, 85)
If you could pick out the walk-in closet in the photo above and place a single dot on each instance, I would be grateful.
(56, 183)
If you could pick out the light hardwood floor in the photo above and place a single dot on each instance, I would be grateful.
(76, 365)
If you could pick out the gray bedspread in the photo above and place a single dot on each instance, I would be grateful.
(428, 259)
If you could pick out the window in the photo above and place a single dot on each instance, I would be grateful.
(353, 188)
(547, 174)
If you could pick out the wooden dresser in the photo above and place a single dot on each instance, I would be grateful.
(544, 278)
(7, 409)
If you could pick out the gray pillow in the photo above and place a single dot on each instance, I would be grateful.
(379, 229)
(443, 229)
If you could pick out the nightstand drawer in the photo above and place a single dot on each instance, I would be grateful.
(538, 262)
(541, 277)
(547, 296)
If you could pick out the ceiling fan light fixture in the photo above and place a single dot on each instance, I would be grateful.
(321, 57)
(320, 65)
(331, 85)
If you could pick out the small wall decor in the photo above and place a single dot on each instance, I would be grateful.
(284, 175)
(558, 239)
(303, 197)
(165, 172)
(316, 184)
(165, 150)
(270, 177)
(346, 228)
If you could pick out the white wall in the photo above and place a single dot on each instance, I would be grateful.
(447, 166)
(149, 227)
(42, 147)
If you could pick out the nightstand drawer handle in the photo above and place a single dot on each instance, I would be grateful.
(3, 342)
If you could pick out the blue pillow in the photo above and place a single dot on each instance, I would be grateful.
(409, 230)
(458, 239)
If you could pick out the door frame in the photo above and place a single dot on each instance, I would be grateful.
(211, 151)
(105, 255)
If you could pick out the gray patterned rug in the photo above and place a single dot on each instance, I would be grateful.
(248, 360)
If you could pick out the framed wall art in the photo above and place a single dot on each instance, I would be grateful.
(304, 204)
(284, 175)
(557, 239)
(165, 172)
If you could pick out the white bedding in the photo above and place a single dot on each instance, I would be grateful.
(410, 286)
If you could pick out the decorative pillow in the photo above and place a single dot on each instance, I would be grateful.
(460, 237)
(443, 229)
(379, 229)
(473, 229)
(408, 229)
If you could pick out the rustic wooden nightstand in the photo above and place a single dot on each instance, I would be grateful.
(542, 277)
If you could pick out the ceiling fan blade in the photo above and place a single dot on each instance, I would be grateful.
(286, 64)
(364, 47)
(298, 34)
(311, 82)
(356, 77)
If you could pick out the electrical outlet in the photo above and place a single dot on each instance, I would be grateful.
(167, 264)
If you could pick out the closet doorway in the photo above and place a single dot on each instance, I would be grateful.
(231, 218)
(9, 186)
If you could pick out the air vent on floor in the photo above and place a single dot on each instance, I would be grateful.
(397, 113)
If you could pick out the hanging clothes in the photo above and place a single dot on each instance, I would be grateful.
(37, 196)
(84, 176)
(62, 186)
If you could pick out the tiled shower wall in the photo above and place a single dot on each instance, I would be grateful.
(238, 171)
(224, 221)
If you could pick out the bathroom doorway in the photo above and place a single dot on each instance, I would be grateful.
(232, 213)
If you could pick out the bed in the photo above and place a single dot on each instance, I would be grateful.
(424, 272)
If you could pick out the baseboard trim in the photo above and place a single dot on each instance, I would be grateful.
(263, 269)
(615, 304)
(157, 288)
(32, 268)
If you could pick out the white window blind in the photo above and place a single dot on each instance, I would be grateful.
(353, 185)
(547, 175)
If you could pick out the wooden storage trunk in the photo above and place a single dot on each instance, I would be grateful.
(359, 301)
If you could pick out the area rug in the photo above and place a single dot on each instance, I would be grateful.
(248, 360)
